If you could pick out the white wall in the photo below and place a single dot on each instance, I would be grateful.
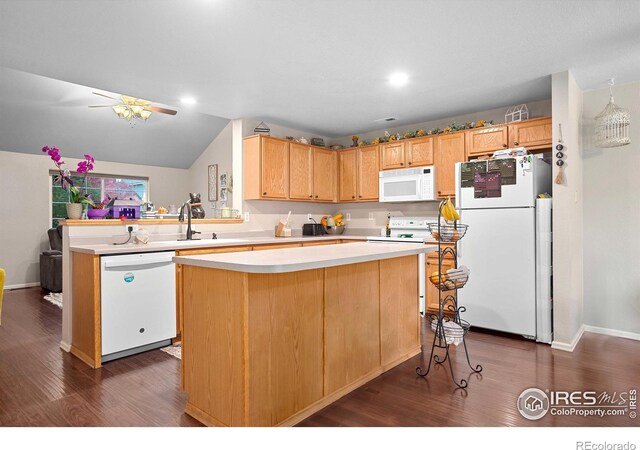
(539, 108)
(218, 152)
(611, 214)
(567, 215)
(25, 198)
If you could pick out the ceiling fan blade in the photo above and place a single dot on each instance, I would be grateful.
(103, 95)
(161, 110)
(99, 106)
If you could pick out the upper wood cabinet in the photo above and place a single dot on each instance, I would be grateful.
(347, 175)
(358, 174)
(450, 149)
(300, 172)
(392, 156)
(368, 172)
(532, 134)
(406, 153)
(419, 152)
(325, 172)
(266, 168)
(485, 140)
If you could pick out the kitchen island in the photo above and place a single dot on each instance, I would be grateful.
(269, 338)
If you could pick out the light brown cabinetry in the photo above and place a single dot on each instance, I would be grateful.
(419, 152)
(266, 168)
(300, 172)
(432, 294)
(368, 171)
(348, 175)
(392, 156)
(486, 140)
(450, 149)
(406, 153)
(533, 134)
(358, 174)
(325, 172)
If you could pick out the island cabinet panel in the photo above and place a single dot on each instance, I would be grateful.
(213, 344)
(399, 322)
(86, 341)
(179, 294)
(300, 172)
(348, 175)
(352, 324)
(285, 318)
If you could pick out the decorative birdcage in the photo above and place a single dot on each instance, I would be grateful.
(612, 124)
(517, 113)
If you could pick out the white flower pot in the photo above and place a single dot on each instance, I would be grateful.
(74, 210)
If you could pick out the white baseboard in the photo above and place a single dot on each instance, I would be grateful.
(612, 332)
(65, 346)
(571, 346)
(21, 286)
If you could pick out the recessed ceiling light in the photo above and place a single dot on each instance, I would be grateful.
(188, 101)
(398, 79)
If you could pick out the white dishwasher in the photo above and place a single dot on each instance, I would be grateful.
(138, 303)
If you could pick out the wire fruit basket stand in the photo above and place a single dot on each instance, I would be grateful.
(447, 325)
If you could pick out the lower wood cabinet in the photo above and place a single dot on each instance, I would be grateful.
(432, 293)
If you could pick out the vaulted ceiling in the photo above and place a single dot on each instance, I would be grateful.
(318, 66)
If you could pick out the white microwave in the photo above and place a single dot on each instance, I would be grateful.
(407, 185)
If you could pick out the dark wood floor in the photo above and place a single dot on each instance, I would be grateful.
(40, 385)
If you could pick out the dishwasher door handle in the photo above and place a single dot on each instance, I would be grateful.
(138, 263)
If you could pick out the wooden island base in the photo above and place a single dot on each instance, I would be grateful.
(270, 349)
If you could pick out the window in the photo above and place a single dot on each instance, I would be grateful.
(99, 186)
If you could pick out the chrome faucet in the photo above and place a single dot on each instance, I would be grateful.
(190, 232)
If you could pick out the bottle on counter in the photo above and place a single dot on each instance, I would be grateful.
(388, 230)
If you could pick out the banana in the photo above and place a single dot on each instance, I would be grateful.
(449, 211)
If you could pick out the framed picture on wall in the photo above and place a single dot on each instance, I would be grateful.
(223, 180)
(223, 194)
(213, 182)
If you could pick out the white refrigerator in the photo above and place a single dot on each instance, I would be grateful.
(507, 290)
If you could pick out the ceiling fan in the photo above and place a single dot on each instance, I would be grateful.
(131, 108)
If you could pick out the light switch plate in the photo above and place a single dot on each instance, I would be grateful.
(133, 227)
(348, 217)
(309, 217)
(247, 217)
(370, 216)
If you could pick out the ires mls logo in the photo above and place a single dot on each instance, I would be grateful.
(533, 404)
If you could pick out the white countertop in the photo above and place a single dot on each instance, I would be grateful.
(303, 258)
(157, 246)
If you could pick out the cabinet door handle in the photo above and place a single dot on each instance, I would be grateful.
(316, 196)
(311, 196)
(515, 143)
(402, 164)
(410, 163)
(359, 196)
(264, 193)
(353, 196)
(504, 145)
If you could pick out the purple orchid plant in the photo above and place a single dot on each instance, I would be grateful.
(64, 175)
